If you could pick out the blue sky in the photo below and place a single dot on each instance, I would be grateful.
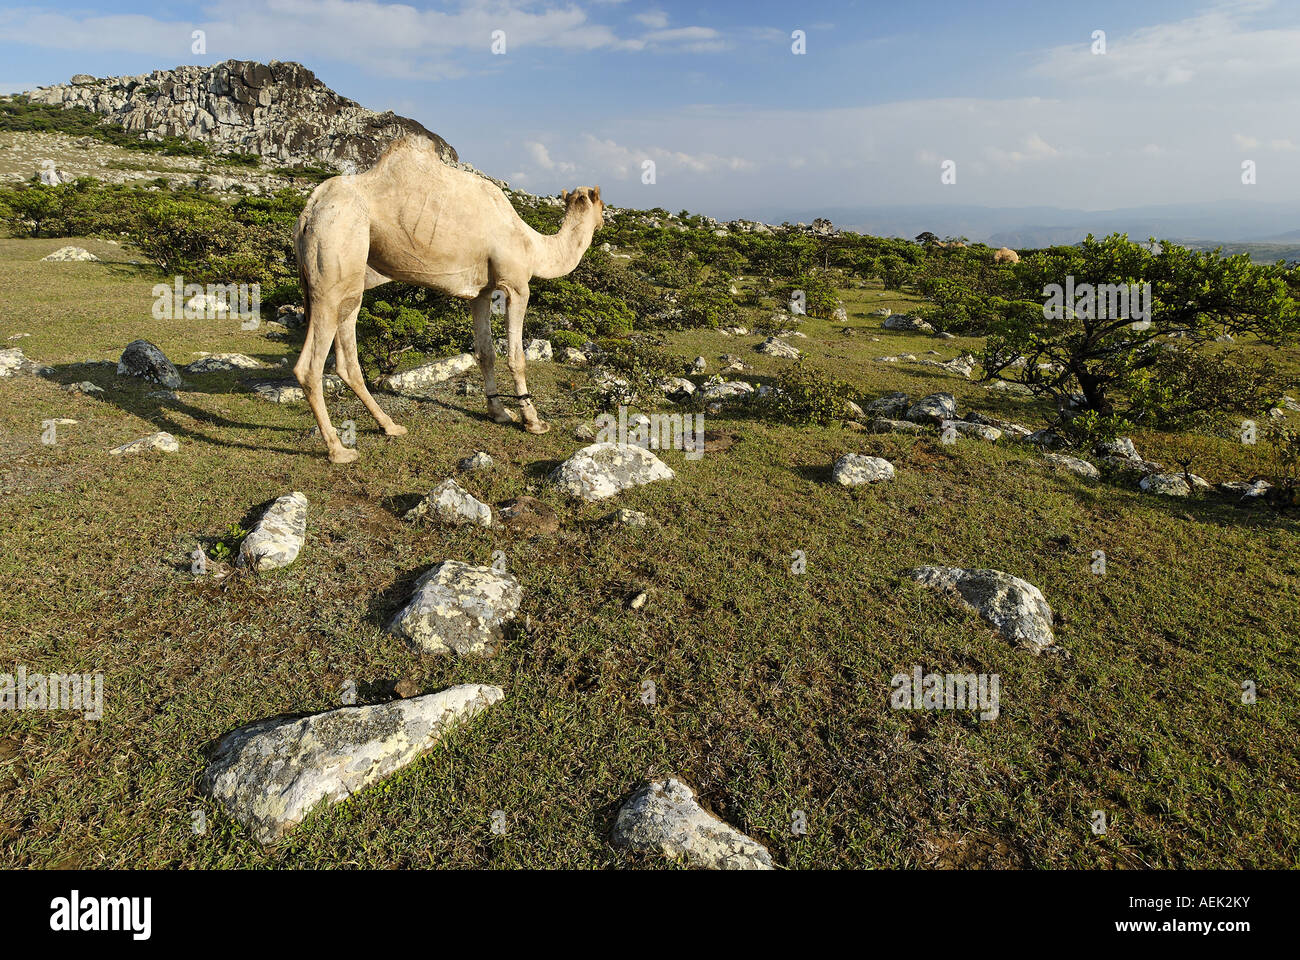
(735, 122)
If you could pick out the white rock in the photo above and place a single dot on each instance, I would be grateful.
(458, 608)
(451, 503)
(1015, 607)
(269, 775)
(476, 461)
(1172, 484)
(1076, 466)
(934, 409)
(155, 441)
(419, 380)
(219, 362)
(536, 351)
(71, 255)
(663, 817)
(603, 470)
(776, 347)
(853, 470)
(278, 537)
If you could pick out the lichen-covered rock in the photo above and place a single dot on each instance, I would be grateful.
(270, 774)
(1119, 447)
(881, 312)
(71, 255)
(476, 461)
(890, 406)
(1246, 489)
(289, 391)
(1172, 484)
(142, 359)
(451, 503)
(12, 362)
(458, 608)
(981, 430)
(663, 817)
(161, 441)
(886, 425)
(853, 469)
(420, 380)
(603, 470)
(1006, 426)
(222, 362)
(934, 409)
(536, 351)
(630, 518)
(1015, 607)
(278, 537)
(904, 321)
(1076, 466)
(776, 347)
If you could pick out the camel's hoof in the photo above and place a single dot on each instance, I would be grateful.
(541, 426)
(395, 430)
(346, 455)
(505, 416)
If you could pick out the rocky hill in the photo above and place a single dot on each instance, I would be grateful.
(279, 111)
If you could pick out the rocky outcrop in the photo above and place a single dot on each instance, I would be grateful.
(279, 111)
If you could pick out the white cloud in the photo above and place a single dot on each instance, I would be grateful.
(654, 19)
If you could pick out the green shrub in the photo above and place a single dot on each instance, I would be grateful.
(803, 395)
(560, 339)
(410, 319)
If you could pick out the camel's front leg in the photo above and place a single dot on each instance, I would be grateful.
(515, 308)
(480, 309)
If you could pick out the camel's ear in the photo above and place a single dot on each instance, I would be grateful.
(564, 195)
(595, 192)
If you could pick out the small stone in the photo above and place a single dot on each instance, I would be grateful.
(406, 688)
(664, 817)
(639, 600)
(84, 387)
(477, 461)
(161, 441)
(528, 515)
(222, 362)
(1172, 484)
(278, 537)
(630, 518)
(451, 503)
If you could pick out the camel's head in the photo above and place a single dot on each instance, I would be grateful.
(586, 202)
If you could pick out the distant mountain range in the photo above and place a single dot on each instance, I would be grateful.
(1270, 231)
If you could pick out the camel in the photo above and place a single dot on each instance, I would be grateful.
(415, 219)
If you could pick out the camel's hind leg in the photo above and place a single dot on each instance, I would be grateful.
(349, 367)
(480, 309)
(322, 324)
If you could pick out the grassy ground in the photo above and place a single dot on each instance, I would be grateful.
(772, 687)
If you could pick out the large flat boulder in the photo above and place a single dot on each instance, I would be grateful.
(270, 774)
(420, 380)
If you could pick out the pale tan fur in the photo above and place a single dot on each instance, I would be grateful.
(413, 218)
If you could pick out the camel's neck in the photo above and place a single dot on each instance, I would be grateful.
(557, 254)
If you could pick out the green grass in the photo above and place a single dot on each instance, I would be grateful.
(772, 687)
